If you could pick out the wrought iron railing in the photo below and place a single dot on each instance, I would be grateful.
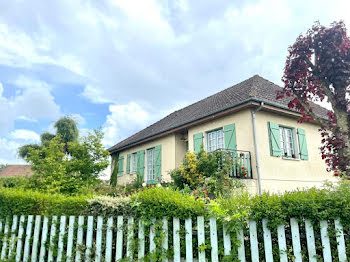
(241, 163)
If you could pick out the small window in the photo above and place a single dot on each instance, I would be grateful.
(215, 140)
(287, 142)
(150, 164)
(133, 163)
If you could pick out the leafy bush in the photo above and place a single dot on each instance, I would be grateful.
(207, 175)
(111, 206)
(27, 202)
(161, 202)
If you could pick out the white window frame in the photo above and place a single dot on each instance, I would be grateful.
(215, 140)
(133, 168)
(288, 142)
(151, 164)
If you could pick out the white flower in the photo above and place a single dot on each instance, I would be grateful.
(159, 185)
(144, 184)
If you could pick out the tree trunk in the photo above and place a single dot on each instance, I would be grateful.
(344, 152)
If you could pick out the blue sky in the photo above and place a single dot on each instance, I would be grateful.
(123, 64)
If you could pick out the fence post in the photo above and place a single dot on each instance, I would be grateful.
(109, 240)
(13, 235)
(99, 239)
(80, 233)
(89, 233)
(310, 240)
(36, 238)
(119, 246)
(340, 241)
(165, 240)
(28, 237)
(70, 238)
(253, 241)
(130, 237)
(296, 239)
(189, 250)
(326, 250)
(282, 245)
(201, 238)
(19, 240)
(43, 239)
(227, 241)
(267, 241)
(176, 234)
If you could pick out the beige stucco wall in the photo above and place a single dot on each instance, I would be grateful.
(279, 174)
(168, 158)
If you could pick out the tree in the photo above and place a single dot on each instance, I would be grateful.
(318, 68)
(66, 128)
(59, 172)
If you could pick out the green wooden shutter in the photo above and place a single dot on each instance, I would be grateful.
(121, 166)
(197, 142)
(302, 144)
(128, 164)
(158, 163)
(230, 137)
(141, 163)
(274, 135)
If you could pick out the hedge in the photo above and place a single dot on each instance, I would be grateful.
(20, 201)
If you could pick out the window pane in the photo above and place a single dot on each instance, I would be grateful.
(150, 164)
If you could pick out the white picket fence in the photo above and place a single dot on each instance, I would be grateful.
(40, 238)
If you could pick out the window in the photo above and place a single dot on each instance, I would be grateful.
(133, 163)
(287, 142)
(215, 140)
(150, 164)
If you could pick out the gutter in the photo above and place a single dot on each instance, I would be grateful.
(256, 145)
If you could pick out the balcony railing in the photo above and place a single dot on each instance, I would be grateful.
(241, 163)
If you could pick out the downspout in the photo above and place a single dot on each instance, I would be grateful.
(256, 146)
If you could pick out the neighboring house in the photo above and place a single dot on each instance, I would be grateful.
(16, 170)
(284, 153)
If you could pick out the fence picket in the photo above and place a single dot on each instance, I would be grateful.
(254, 248)
(340, 241)
(19, 238)
(99, 239)
(152, 233)
(60, 238)
(109, 239)
(189, 250)
(89, 233)
(267, 241)
(5, 239)
(241, 249)
(326, 250)
(43, 239)
(310, 240)
(70, 238)
(13, 236)
(28, 237)
(80, 234)
(282, 245)
(166, 235)
(119, 247)
(213, 240)
(130, 238)
(141, 236)
(37, 226)
(296, 240)
(201, 238)
(176, 235)
(227, 240)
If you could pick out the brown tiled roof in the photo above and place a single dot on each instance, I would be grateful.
(255, 88)
(16, 170)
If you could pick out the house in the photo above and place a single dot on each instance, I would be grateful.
(16, 170)
(247, 119)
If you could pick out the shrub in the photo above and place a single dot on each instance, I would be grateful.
(111, 206)
(17, 182)
(18, 201)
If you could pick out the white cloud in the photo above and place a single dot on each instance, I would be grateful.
(122, 120)
(26, 135)
(78, 118)
(8, 152)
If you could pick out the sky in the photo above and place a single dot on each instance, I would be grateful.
(121, 65)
